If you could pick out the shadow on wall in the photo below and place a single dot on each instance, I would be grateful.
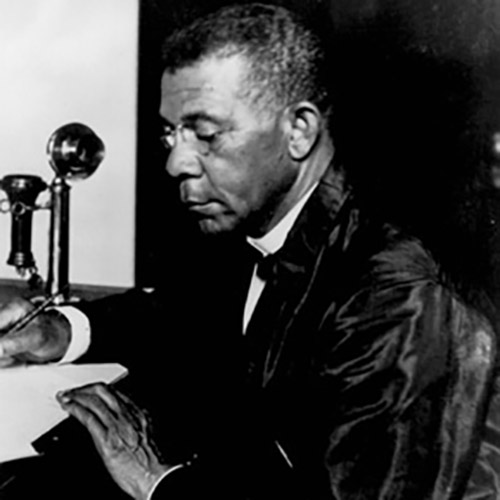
(417, 109)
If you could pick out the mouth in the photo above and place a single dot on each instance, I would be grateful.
(202, 207)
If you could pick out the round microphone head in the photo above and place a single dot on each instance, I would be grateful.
(75, 151)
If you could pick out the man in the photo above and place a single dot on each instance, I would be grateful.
(345, 369)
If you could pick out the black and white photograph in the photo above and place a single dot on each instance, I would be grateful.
(250, 250)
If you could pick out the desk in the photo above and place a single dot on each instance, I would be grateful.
(11, 287)
(53, 476)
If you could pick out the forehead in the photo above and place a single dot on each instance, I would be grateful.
(215, 85)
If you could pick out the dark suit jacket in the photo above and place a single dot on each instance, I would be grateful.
(362, 375)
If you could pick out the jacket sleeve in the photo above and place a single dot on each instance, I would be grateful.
(117, 320)
(484, 482)
(405, 371)
(141, 324)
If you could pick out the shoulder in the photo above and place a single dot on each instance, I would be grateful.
(397, 254)
(373, 252)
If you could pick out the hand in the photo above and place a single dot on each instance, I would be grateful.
(121, 433)
(45, 338)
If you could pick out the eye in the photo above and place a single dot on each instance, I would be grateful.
(207, 136)
(206, 130)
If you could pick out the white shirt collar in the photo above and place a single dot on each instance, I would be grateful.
(274, 239)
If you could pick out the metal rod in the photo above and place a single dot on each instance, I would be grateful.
(58, 268)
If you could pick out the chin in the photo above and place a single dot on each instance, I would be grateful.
(209, 226)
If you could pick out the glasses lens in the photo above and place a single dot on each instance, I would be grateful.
(167, 140)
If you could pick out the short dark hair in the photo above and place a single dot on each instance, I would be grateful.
(287, 58)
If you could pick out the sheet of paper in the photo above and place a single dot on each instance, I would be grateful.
(28, 407)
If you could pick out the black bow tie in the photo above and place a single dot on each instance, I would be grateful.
(266, 266)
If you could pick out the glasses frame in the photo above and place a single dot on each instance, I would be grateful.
(169, 138)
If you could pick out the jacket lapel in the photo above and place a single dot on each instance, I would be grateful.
(296, 266)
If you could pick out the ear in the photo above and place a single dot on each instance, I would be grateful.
(304, 124)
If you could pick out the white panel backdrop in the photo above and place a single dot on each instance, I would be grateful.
(63, 61)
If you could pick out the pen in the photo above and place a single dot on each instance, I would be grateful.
(34, 313)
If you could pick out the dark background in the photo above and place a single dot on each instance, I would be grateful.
(418, 94)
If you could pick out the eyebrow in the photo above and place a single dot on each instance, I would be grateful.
(193, 117)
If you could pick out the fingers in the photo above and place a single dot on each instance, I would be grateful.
(98, 394)
(90, 405)
(140, 416)
(94, 398)
(98, 407)
(12, 344)
(113, 421)
(45, 338)
(11, 312)
(121, 439)
(6, 362)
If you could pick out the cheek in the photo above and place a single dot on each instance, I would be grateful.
(273, 170)
(234, 176)
(238, 187)
(249, 172)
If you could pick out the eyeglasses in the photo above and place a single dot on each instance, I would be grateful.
(203, 142)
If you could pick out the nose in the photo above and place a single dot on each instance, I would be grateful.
(183, 161)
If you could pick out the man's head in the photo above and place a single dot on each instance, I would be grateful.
(245, 103)
(287, 59)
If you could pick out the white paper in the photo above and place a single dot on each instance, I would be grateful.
(28, 407)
